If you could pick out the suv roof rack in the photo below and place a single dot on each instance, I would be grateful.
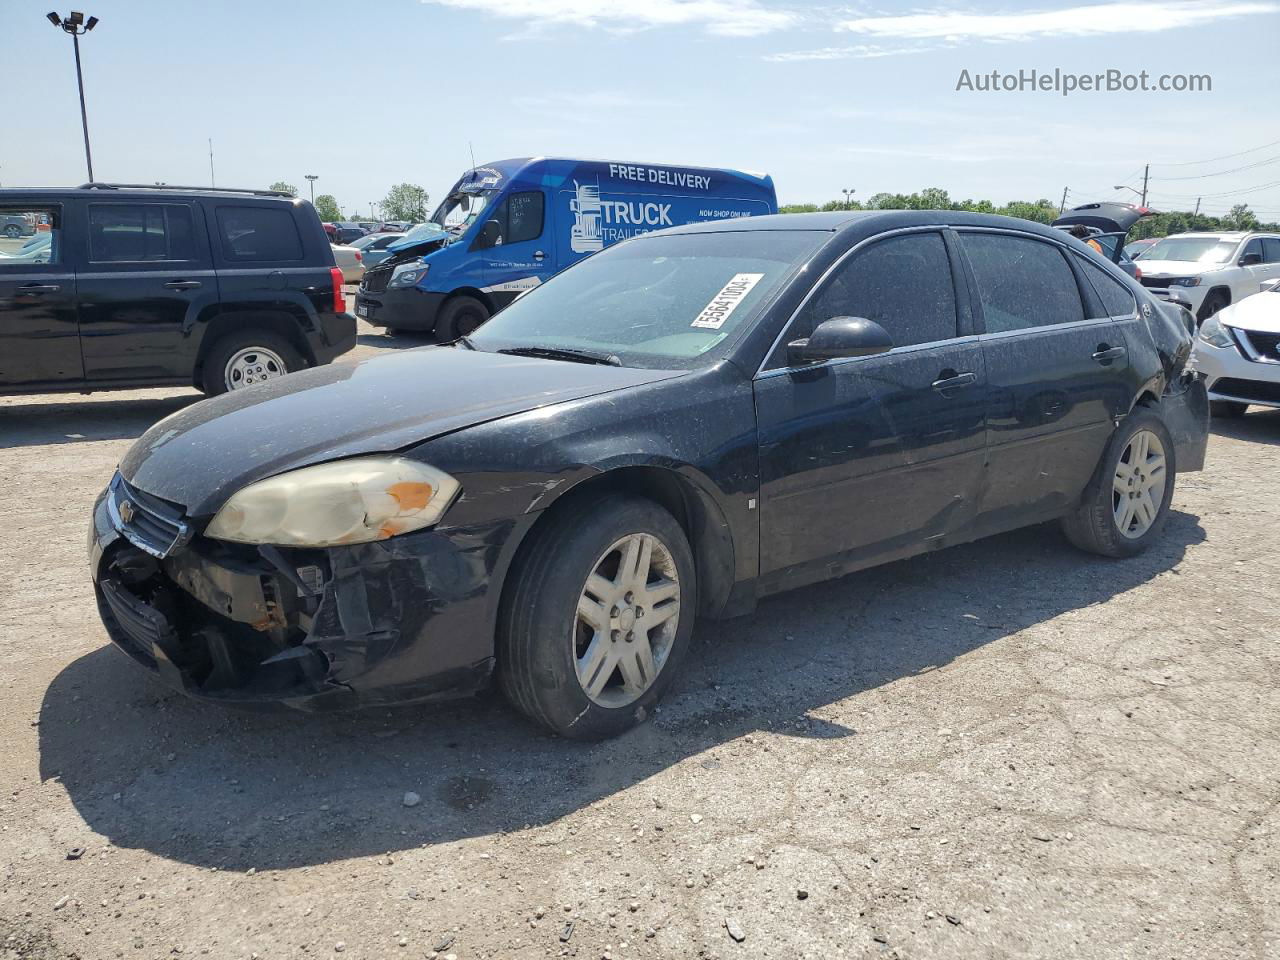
(96, 185)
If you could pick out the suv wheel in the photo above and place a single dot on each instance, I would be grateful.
(598, 618)
(1125, 505)
(458, 317)
(247, 357)
(13, 231)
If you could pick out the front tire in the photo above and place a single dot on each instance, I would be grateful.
(458, 317)
(247, 357)
(1228, 409)
(598, 617)
(1212, 304)
(13, 232)
(1125, 505)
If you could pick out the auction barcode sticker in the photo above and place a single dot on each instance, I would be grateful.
(715, 313)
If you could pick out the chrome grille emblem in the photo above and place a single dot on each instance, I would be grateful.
(126, 511)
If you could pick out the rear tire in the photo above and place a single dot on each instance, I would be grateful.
(1227, 409)
(1121, 512)
(12, 231)
(578, 617)
(245, 357)
(458, 317)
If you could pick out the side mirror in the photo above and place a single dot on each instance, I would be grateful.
(490, 235)
(840, 337)
(1250, 260)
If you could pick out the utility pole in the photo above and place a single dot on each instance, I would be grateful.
(1063, 205)
(1146, 173)
(212, 181)
(1197, 213)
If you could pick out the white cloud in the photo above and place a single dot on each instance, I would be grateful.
(734, 18)
(861, 51)
(1079, 21)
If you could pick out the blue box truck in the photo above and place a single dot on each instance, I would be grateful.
(505, 227)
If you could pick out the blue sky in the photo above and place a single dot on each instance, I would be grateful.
(367, 94)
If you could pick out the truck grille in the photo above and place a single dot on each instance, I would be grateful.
(149, 523)
(375, 279)
(1147, 281)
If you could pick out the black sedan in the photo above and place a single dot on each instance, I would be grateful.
(675, 427)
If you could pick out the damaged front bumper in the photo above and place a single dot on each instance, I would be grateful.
(401, 620)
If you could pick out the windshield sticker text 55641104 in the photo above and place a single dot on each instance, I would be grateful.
(715, 313)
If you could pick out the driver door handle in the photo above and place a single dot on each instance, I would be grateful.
(183, 284)
(954, 381)
(39, 288)
(538, 255)
(1106, 354)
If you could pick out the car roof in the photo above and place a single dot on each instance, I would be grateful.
(109, 192)
(866, 222)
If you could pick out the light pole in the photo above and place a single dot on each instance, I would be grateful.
(76, 25)
(313, 178)
(1121, 186)
(848, 197)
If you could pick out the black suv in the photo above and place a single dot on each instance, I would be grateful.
(158, 286)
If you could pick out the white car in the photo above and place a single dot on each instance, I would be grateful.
(35, 250)
(1238, 352)
(1212, 269)
(350, 261)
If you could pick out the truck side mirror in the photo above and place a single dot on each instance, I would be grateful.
(490, 235)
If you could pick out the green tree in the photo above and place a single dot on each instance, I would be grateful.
(1241, 218)
(405, 201)
(327, 207)
(283, 187)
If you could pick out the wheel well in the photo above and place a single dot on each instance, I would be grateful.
(1225, 292)
(475, 294)
(698, 515)
(280, 323)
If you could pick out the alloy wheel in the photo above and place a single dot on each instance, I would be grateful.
(253, 365)
(626, 622)
(1138, 487)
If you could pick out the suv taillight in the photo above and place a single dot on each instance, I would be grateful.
(339, 301)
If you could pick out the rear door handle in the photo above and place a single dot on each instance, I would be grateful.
(183, 284)
(954, 381)
(39, 288)
(1105, 354)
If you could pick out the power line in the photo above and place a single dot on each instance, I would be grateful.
(1229, 156)
(1221, 173)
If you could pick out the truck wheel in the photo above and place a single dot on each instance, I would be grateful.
(12, 231)
(458, 317)
(1125, 505)
(246, 357)
(598, 618)
(1228, 409)
(1212, 304)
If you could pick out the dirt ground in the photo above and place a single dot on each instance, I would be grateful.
(1007, 749)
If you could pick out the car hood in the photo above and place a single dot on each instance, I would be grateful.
(1175, 268)
(202, 454)
(1259, 312)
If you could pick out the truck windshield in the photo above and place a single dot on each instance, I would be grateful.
(459, 210)
(1190, 249)
(675, 301)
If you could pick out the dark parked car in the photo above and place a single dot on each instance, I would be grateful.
(144, 286)
(14, 226)
(674, 427)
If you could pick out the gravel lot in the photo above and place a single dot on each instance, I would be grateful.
(1008, 749)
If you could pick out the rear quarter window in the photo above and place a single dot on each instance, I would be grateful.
(1117, 299)
(258, 234)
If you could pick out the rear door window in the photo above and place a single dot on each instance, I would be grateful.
(140, 233)
(29, 236)
(258, 234)
(1117, 299)
(1271, 249)
(1022, 283)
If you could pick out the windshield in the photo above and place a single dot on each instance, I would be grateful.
(1190, 249)
(459, 210)
(675, 301)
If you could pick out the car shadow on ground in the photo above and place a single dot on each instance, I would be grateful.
(197, 783)
(51, 422)
(401, 338)
(1259, 425)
